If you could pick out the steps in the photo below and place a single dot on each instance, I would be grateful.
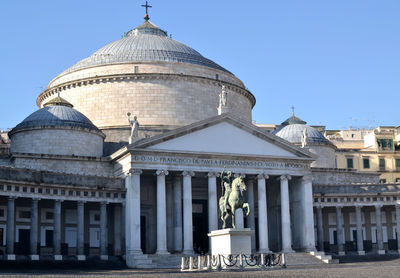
(166, 261)
(141, 261)
(323, 257)
(299, 258)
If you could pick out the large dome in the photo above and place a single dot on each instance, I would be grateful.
(146, 43)
(293, 133)
(165, 83)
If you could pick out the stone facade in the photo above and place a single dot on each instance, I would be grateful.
(187, 95)
(67, 141)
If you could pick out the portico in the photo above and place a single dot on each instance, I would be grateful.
(281, 178)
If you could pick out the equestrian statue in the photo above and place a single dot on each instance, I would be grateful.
(232, 197)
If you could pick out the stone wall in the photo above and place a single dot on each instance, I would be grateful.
(64, 165)
(181, 96)
(45, 177)
(68, 141)
(326, 157)
(323, 176)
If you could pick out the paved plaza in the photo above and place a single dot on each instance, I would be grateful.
(354, 270)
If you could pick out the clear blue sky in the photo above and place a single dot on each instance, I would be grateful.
(336, 61)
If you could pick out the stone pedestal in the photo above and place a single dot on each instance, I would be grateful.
(231, 241)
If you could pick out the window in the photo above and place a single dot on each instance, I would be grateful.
(398, 163)
(217, 76)
(382, 181)
(49, 215)
(385, 144)
(350, 164)
(382, 165)
(366, 162)
(397, 180)
(136, 69)
(24, 214)
(2, 214)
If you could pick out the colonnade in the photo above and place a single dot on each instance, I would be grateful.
(57, 225)
(183, 226)
(340, 228)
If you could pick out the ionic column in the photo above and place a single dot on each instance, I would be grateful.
(178, 214)
(34, 230)
(308, 240)
(251, 218)
(379, 231)
(339, 230)
(320, 228)
(398, 225)
(212, 202)
(187, 213)
(123, 228)
(117, 229)
(103, 231)
(80, 236)
(262, 214)
(132, 217)
(285, 215)
(57, 230)
(360, 244)
(161, 213)
(10, 228)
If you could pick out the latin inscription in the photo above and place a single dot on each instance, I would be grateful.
(218, 162)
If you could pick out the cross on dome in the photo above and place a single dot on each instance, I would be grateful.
(292, 110)
(147, 6)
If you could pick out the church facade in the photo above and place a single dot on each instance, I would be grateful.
(80, 181)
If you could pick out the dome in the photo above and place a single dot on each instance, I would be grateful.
(146, 43)
(58, 113)
(293, 133)
(57, 129)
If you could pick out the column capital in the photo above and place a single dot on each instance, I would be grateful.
(81, 202)
(358, 206)
(35, 199)
(239, 175)
(320, 206)
(262, 176)
(104, 203)
(188, 173)
(132, 172)
(339, 206)
(378, 206)
(162, 173)
(397, 205)
(285, 177)
(307, 178)
(212, 174)
(12, 198)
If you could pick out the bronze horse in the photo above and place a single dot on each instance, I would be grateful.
(235, 201)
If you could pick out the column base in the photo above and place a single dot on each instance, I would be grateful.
(188, 252)
(381, 252)
(34, 257)
(341, 253)
(11, 257)
(287, 250)
(104, 257)
(58, 257)
(162, 252)
(361, 253)
(264, 251)
(81, 257)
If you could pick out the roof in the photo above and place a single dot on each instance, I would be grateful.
(146, 43)
(55, 116)
(293, 133)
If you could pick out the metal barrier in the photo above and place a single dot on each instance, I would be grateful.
(226, 262)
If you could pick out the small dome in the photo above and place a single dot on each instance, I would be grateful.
(294, 132)
(56, 116)
(146, 43)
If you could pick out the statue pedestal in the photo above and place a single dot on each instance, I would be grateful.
(231, 241)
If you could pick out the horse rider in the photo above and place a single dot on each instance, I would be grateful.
(226, 180)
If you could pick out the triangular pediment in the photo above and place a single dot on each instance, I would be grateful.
(223, 135)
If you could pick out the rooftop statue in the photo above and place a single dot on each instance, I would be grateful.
(134, 128)
(223, 97)
(232, 199)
